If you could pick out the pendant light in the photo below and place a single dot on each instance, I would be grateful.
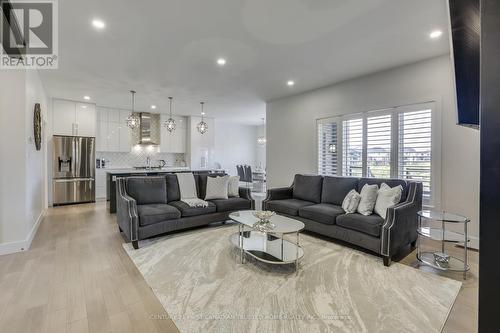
(261, 140)
(202, 125)
(133, 120)
(170, 122)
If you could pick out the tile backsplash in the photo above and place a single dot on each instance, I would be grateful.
(137, 157)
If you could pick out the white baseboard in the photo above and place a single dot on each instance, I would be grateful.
(23, 245)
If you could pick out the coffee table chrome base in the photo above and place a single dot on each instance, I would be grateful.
(267, 247)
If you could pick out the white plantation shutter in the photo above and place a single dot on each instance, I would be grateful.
(415, 148)
(352, 147)
(327, 148)
(378, 150)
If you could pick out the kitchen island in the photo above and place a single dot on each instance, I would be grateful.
(112, 174)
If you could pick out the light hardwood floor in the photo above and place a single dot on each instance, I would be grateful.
(77, 278)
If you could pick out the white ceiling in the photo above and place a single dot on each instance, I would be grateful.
(169, 48)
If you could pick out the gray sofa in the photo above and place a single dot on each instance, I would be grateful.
(317, 200)
(150, 206)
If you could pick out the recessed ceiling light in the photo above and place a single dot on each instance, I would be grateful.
(153, 107)
(435, 34)
(221, 61)
(99, 24)
(87, 98)
(290, 83)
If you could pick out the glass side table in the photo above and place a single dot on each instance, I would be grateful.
(438, 232)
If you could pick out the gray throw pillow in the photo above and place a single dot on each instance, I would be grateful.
(217, 188)
(233, 189)
(368, 199)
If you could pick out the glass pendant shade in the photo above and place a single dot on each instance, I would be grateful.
(133, 120)
(202, 125)
(170, 122)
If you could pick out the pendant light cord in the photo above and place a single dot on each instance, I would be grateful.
(170, 98)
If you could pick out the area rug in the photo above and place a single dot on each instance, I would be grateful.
(203, 287)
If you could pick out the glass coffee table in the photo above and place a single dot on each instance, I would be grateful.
(268, 246)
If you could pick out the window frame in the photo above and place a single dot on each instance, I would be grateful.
(394, 112)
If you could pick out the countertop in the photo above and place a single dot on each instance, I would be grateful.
(116, 171)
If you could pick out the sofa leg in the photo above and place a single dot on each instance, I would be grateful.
(387, 261)
(135, 244)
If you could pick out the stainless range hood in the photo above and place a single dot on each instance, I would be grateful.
(145, 129)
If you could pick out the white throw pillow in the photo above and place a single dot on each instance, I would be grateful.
(217, 187)
(368, 199)
(351, 202)
(233, 186)
(387, 197)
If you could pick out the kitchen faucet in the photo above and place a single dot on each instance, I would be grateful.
(148, 162)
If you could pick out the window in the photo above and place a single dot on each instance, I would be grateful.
(327, 148)
(392, 143)
(415, 148)
(352, 159)
(378, 150)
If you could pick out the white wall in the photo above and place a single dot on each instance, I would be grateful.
(22, 168)
(260, 157)
(235, 144)
(36, 161)
(201, 147)
(291, 127)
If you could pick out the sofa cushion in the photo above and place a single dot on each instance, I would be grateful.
(287, 206)
(323, 213)
(154, 213)
(370, 225)
(147, 190)
(336, 188)
(307, 188)
(225, 205)
(186, 210)
(390, 182)
(173, 191)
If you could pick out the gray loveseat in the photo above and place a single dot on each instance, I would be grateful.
(150, 206)
(317, 200)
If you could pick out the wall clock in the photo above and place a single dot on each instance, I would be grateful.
(37, 126)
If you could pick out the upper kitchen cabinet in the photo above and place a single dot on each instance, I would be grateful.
(175, 141)
(73, 118)
(114, 135)
(85, 119)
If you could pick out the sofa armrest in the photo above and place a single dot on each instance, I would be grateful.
(246, 193)
(400, 226)
(126, 211)
(280, 193)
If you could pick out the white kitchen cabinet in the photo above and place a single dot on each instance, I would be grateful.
(101, 137)
(85, 119)
(125, 138)
(72, 118)
(100, 184)
(174, 142)
(114, 135)
(64, 117)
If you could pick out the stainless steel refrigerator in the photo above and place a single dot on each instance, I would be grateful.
(73, 170)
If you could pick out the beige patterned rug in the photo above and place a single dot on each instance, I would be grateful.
(197, 277)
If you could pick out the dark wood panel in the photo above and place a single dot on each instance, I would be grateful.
(489, 270)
